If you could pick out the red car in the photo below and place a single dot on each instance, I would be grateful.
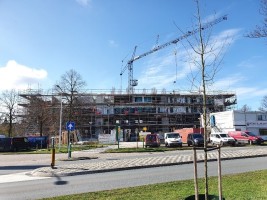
(152, 140)
(246, 137)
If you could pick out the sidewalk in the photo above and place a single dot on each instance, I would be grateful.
(153, 160)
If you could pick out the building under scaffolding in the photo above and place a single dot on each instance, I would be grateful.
(99, 111)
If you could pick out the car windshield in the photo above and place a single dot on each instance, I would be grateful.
(150, 137)
(174, 135)
(197, 136)
(224, 135)
(251, 134)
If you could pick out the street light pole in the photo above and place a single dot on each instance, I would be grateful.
(60, 122)
(108, 117)
(60, 118)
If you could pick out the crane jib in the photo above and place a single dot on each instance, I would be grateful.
(157, 48)
(189, 33)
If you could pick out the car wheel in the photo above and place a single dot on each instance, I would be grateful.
(188, 144)
(166, 144)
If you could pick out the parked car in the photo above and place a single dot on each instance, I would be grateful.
(152, 140)
(172, 139)
(221, 139)
(20, 143)
(195, 139)
(246, 137)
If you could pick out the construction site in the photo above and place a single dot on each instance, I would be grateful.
(98, 112)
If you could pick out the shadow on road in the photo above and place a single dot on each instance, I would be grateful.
(22, 167)
(60, 181)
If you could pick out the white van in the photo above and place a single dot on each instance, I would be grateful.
(172, 139)
(221, 139)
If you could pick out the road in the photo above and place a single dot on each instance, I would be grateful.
(56, 186)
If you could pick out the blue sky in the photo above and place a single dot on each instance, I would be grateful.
(41, 40)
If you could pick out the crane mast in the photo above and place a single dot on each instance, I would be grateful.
(133, 82)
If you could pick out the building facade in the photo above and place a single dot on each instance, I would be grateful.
(97, 112)
(233, 120)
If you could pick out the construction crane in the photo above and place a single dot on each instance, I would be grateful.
(133, 82)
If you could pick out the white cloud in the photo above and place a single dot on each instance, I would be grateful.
(112, 43)
(228, 82)
(160, 69)
(250, 62)
(84, 2)
(17, 76)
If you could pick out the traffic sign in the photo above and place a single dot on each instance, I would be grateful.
(70, 126)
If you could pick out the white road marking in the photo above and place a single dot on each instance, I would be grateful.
(22, 176)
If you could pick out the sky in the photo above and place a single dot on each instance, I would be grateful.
(42, 40)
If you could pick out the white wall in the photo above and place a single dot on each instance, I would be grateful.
(224, 120)
(238, 120)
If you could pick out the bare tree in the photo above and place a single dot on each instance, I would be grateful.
(261, 31)
(245, 108)
(70, 85)
(263, 104)
(205, 63)
(9, 99)
(39, 113)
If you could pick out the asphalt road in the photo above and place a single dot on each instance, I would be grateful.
(50, 187)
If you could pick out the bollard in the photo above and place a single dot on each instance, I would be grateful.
(69, 151)
(53, 153)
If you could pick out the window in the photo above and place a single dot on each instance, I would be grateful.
(147, 99)
(262, 117)
(138, 99)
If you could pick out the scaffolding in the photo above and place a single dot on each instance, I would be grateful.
(99, 111)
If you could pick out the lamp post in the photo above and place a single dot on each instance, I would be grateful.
(70, 101)
(108, 117)
(60, 123)
(60, 119)
(200, 124)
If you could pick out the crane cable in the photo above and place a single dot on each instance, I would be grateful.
(175, 56)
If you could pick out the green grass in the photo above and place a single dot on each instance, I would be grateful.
(245, 186)
(148, 149)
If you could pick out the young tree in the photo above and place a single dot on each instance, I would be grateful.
(205, 55)
(261, 31)
(9, 99)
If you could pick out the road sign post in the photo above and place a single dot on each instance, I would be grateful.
(70, 126)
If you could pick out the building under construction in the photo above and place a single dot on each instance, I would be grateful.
(97, 112)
